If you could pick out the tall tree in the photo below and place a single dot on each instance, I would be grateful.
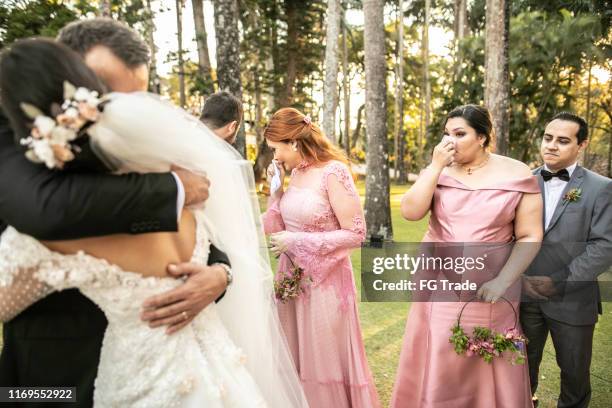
(273, 63)
(181, 63)
(346, 87)
(330, 86)
(204, 67)
(496, 86)
(400, 169)
(292, 14)
(154, 84)
(377, 205)
(228, 56)
(588, 111)
(426, 85)
(460, 28)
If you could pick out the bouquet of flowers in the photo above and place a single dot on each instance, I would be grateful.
(488, 344)
(292, 284)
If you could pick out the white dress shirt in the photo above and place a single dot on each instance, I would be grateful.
(552, 190)
(180, 196)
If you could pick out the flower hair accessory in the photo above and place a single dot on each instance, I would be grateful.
(307, 120)
(487, 343)
(50, 137)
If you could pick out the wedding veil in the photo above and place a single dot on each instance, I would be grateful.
(139, 132)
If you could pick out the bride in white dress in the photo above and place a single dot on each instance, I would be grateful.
(233, 353)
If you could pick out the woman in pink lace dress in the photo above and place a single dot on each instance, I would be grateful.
(316, 223)
(474, 197)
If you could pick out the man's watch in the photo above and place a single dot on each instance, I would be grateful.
(228, 272)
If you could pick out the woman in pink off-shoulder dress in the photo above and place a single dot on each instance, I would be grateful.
(315, 224)
(474, 197)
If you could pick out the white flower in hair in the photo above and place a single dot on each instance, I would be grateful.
(49, 141)
(44, 152)
(45, 125)
(81, 94)
(72, 113)
(85, 95)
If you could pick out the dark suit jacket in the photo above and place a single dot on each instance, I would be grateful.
(57, 341)
(57, 205)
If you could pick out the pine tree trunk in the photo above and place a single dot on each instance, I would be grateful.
(273, 64)
(204, 67)
(228, 56)
(181, 63)
(377, 205)
(426, 82)
(292, 8)
(587, 161)
(400, 170)
(258, 107)
(154, 84)
(403, 174)
(346, 87)
(330, 85)
(461, 31)
(496, 87)
(357, 130)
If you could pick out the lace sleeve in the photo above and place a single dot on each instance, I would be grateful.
(272, 218)
(19, 287)
(346, 207)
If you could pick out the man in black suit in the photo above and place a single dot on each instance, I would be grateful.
(57, 341)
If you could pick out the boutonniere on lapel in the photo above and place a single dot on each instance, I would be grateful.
(573, 195)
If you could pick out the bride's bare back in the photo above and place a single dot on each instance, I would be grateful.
(147, 254)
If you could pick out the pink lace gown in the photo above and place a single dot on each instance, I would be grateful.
(322, 212)
(431, 374)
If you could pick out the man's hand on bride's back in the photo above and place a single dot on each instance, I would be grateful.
(178, 307)
(196, 186)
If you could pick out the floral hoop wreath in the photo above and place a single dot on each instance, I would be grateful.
(50, 137)
(487, 343)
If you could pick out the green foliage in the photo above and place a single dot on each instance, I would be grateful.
(548, 56)
(441, 12)
(20, 19)
(275, 31)
(459, 339)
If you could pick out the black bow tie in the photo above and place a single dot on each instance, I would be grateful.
(562, 174)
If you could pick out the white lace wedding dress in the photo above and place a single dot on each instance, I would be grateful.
(199, 366)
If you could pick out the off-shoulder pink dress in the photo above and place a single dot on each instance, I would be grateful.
(322, 213)
(431, 374)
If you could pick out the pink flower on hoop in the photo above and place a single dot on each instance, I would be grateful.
(307, 120)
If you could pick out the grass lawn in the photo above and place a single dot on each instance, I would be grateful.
(383, 328)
